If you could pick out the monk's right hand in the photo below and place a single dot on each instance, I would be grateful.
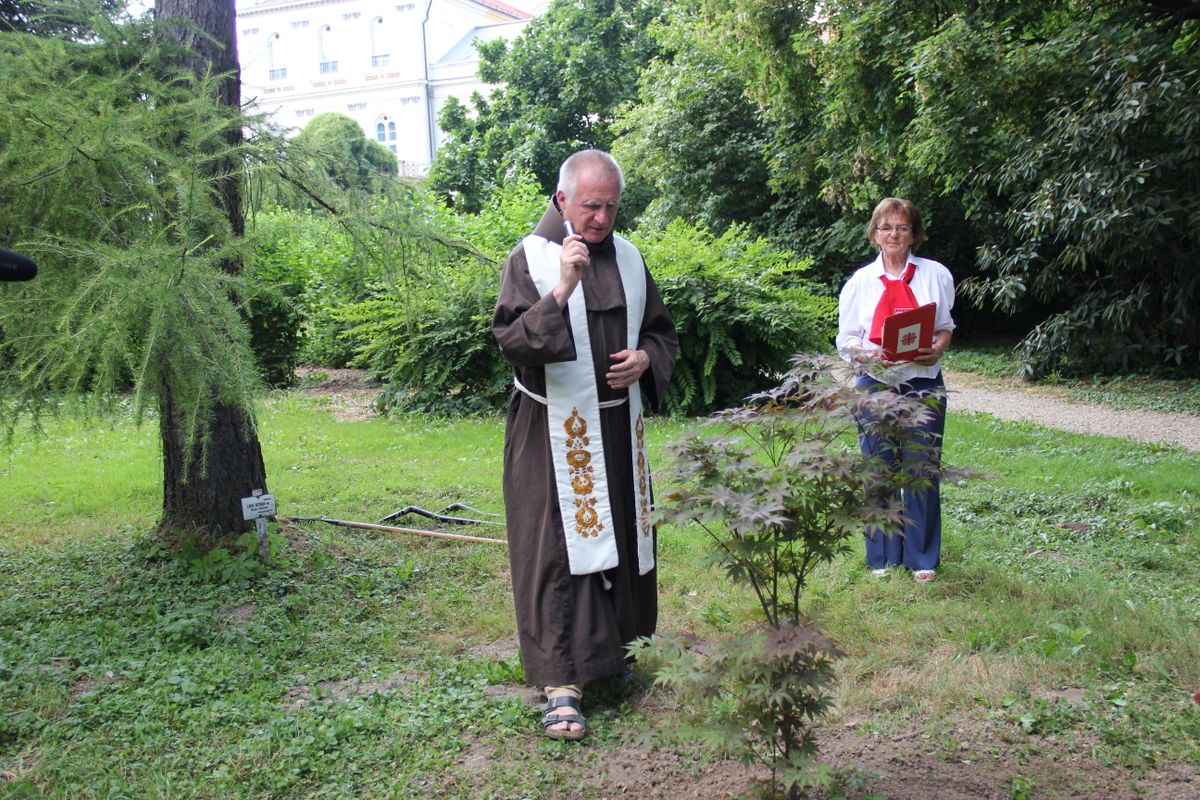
(573, 260)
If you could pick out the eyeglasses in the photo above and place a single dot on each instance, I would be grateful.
(901, 229)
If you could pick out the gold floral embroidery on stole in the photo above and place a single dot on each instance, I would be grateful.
(643, 477)
(579, 466)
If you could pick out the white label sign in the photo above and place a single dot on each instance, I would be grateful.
(258, 507)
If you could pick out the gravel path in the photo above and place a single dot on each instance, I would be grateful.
(353, 397)
(1012, 400)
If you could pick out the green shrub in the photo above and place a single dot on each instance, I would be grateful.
(305, 269)
(742, 309)
(273, 315)
(432, 342)
(1102, 222)
(429, 337)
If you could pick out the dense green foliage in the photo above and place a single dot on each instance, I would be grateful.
(337, 145)
(1054, 139)
(126, 223)
(1103, 223)
(565, 76)
(429, 337)
(56, 18)
(692, 141)
(304, 266)
(1050, 146)
(742, 309)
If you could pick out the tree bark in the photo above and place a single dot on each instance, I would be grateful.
(202, 498)
(202, 489)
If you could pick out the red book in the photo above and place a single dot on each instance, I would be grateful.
(905, 332)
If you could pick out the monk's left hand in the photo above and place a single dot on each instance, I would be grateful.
(627, 368)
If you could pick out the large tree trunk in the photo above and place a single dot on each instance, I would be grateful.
(202, 495)
(218, 20)
(206, 503)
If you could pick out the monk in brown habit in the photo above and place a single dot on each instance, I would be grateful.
(591, 345)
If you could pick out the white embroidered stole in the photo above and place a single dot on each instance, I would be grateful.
(573, 407)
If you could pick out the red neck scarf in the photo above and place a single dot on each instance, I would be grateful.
(897, 296)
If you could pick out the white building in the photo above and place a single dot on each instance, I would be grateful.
(388, 65)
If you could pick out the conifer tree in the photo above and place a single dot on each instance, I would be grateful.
(205, 476)
(120, 167)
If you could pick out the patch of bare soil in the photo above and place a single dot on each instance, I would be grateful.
(349, 392)
(971, 760)
(986, 759)
(966, 759)
(987, 763)
(237, 617)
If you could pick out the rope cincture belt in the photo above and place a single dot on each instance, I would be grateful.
(545, 402)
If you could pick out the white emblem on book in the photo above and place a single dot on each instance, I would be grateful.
(908, 339)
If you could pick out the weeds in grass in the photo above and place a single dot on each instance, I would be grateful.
(1022, 788)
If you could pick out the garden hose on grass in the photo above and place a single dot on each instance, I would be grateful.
(389, 529)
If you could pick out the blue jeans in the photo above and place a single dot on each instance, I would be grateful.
(920, 546)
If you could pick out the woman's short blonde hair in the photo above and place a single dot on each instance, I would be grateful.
(896, 205)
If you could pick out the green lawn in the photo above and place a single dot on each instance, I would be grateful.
(359, 664)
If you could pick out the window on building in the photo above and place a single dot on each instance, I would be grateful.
(385, 133)
(276, 66)
(379, 58)
(325, 50)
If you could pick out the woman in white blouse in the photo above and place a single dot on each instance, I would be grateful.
(897, 279)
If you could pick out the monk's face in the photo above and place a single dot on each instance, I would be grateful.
(592, 209)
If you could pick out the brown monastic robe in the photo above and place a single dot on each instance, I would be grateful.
(571, 628)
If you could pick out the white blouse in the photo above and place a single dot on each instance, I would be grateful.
(932, 283)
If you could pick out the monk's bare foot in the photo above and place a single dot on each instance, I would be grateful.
(561, 718)
(564, 727)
